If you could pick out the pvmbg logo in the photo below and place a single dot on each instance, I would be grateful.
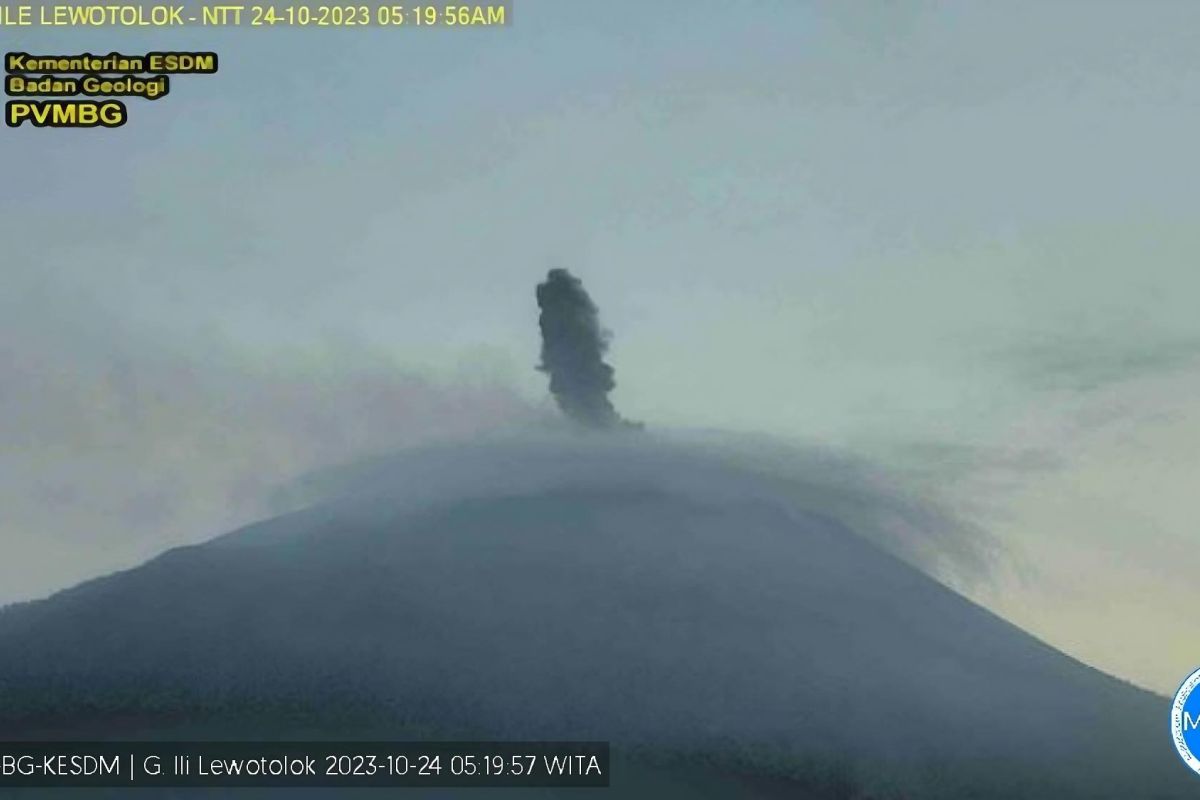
(1185, 721)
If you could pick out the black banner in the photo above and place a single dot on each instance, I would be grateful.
(302, 764)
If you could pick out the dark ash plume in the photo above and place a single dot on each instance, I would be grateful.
(573, 346)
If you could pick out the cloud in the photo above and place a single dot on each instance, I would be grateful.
(114, 447)
(1086, 364)
(710, 466)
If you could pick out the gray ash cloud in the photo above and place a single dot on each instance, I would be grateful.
(573, 347)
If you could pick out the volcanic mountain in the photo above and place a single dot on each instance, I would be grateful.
(733, 628)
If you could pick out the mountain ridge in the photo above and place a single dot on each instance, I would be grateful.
(737, 631)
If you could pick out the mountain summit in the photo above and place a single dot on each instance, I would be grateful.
(694, 613)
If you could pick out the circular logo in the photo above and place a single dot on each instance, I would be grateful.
(1185, 721)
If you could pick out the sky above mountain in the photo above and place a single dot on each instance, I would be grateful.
(956, 238)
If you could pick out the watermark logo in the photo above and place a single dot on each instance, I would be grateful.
(1185, 721)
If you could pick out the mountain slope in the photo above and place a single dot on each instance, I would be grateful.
(759, 638)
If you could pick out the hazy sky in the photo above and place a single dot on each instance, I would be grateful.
(959, 237)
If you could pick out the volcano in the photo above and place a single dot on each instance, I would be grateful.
(732, 633)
